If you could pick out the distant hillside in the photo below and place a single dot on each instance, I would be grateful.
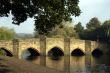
(24, 35)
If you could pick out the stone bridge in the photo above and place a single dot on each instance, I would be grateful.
(42, 46)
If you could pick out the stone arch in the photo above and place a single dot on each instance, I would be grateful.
(77, 52)
(30, 53)
(6, 51)
(56, 51)
(97, 52)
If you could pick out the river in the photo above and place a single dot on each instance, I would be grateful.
(73, 64)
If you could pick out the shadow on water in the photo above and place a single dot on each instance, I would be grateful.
(55, 57)
(101, 64)
(30, 58)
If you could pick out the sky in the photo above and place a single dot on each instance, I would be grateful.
(89, 9)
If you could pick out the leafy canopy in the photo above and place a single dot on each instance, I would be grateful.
(93, 23)
(106, 28)
(79, 28)
(6, 33)
(47, 13)
(66, 29)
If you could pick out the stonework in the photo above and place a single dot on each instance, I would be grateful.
(44, 45)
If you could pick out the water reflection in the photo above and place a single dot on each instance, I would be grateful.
(77, 64)
(73, 64)
(56, 64)
(36, 60)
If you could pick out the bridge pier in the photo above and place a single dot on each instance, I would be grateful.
(67, 55)
(66, 46)
(43, 46)
(16, 48)
(88, 54)
(67, 64)
(87, 47)
(43, 51)
(43, 60)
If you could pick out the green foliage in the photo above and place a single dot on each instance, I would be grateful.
(93, 23)
(93, 31)
(66, 29)
(99, 33)
(6, 33)
(47, 13)
(79, 28)
(88, 35)
(106, 28)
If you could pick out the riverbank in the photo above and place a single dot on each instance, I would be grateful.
(13, 65)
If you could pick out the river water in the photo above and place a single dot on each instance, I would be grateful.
(73, 64)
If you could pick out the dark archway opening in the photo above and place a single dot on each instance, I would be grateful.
(5, 52)
(97, 53)
(108, 52)
(77, 52)
(30, 54)
(55, 53)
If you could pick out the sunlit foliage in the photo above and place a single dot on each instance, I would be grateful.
(47, 13)
(6, 33)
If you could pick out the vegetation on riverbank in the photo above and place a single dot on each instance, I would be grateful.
(66, 29)
(6, 33)
(95, 30)
(48, 17)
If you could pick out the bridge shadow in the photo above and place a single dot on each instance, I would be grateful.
(77, 52)
(30, 54)
(4, 68)
(55, 53)
(6, 52)
(97, 53)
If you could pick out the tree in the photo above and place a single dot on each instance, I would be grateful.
(66, 29)
(6, 33)
(92, 31)
(106, 28)
(78, 27)
(101, 33)
(47, 13)
(93, 23)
